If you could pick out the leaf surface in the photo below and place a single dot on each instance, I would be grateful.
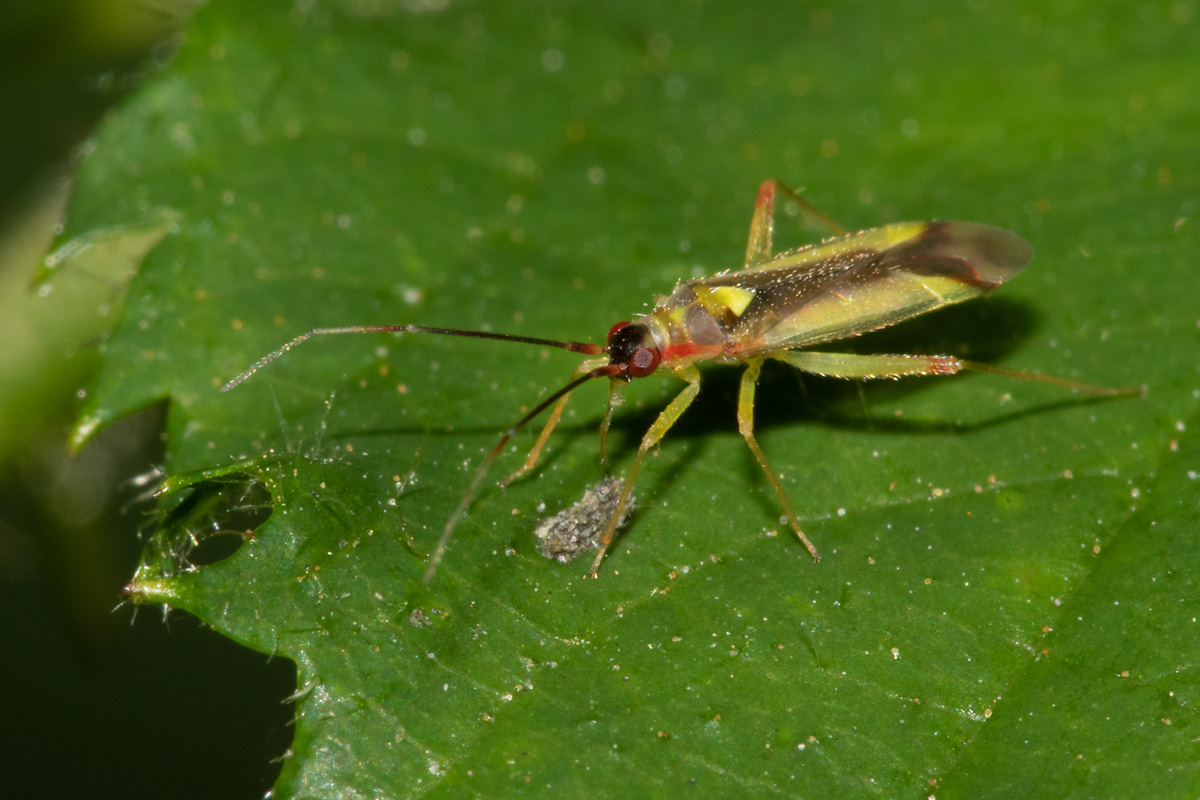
(1009, 574)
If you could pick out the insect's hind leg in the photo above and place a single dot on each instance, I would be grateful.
(669, 416)
(852, 365)
(758, 248)
(746, 428)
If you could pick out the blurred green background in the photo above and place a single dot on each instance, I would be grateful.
(98, 703)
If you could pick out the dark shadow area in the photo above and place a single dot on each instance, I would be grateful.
(102, 703)
(137, 705)
(212, 519)
(60, 72)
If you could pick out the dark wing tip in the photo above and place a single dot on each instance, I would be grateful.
(994, 255)
(974, 254)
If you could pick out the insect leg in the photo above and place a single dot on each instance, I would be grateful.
(669, 416)
(850, 365)
(1026, 375)
(746, 428)
(758, 248)
(536, 453)
(614, 400)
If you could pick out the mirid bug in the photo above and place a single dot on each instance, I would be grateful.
(773, 307)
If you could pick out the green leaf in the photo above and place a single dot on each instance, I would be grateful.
(1008, 596)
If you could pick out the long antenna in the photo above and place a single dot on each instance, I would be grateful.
(575, 347)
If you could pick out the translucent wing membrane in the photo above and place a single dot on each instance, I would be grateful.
(854, 284)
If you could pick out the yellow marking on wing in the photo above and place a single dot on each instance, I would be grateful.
(678, 316)
(716, 299)
(875, 239)
(892, 235)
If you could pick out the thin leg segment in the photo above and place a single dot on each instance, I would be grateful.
(746, 428)
(536, 453)
(669, 416)
(1025, 375)
(758, 248)
(850, 365)
(614, 400)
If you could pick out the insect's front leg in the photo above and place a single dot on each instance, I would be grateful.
(614, 400)
(758, 248)
(669, 416)
(746, 428)
(555, 414)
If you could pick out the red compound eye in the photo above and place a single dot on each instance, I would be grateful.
(613, 330)
(645, 361)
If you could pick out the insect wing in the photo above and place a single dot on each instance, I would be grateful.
(866, 281)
